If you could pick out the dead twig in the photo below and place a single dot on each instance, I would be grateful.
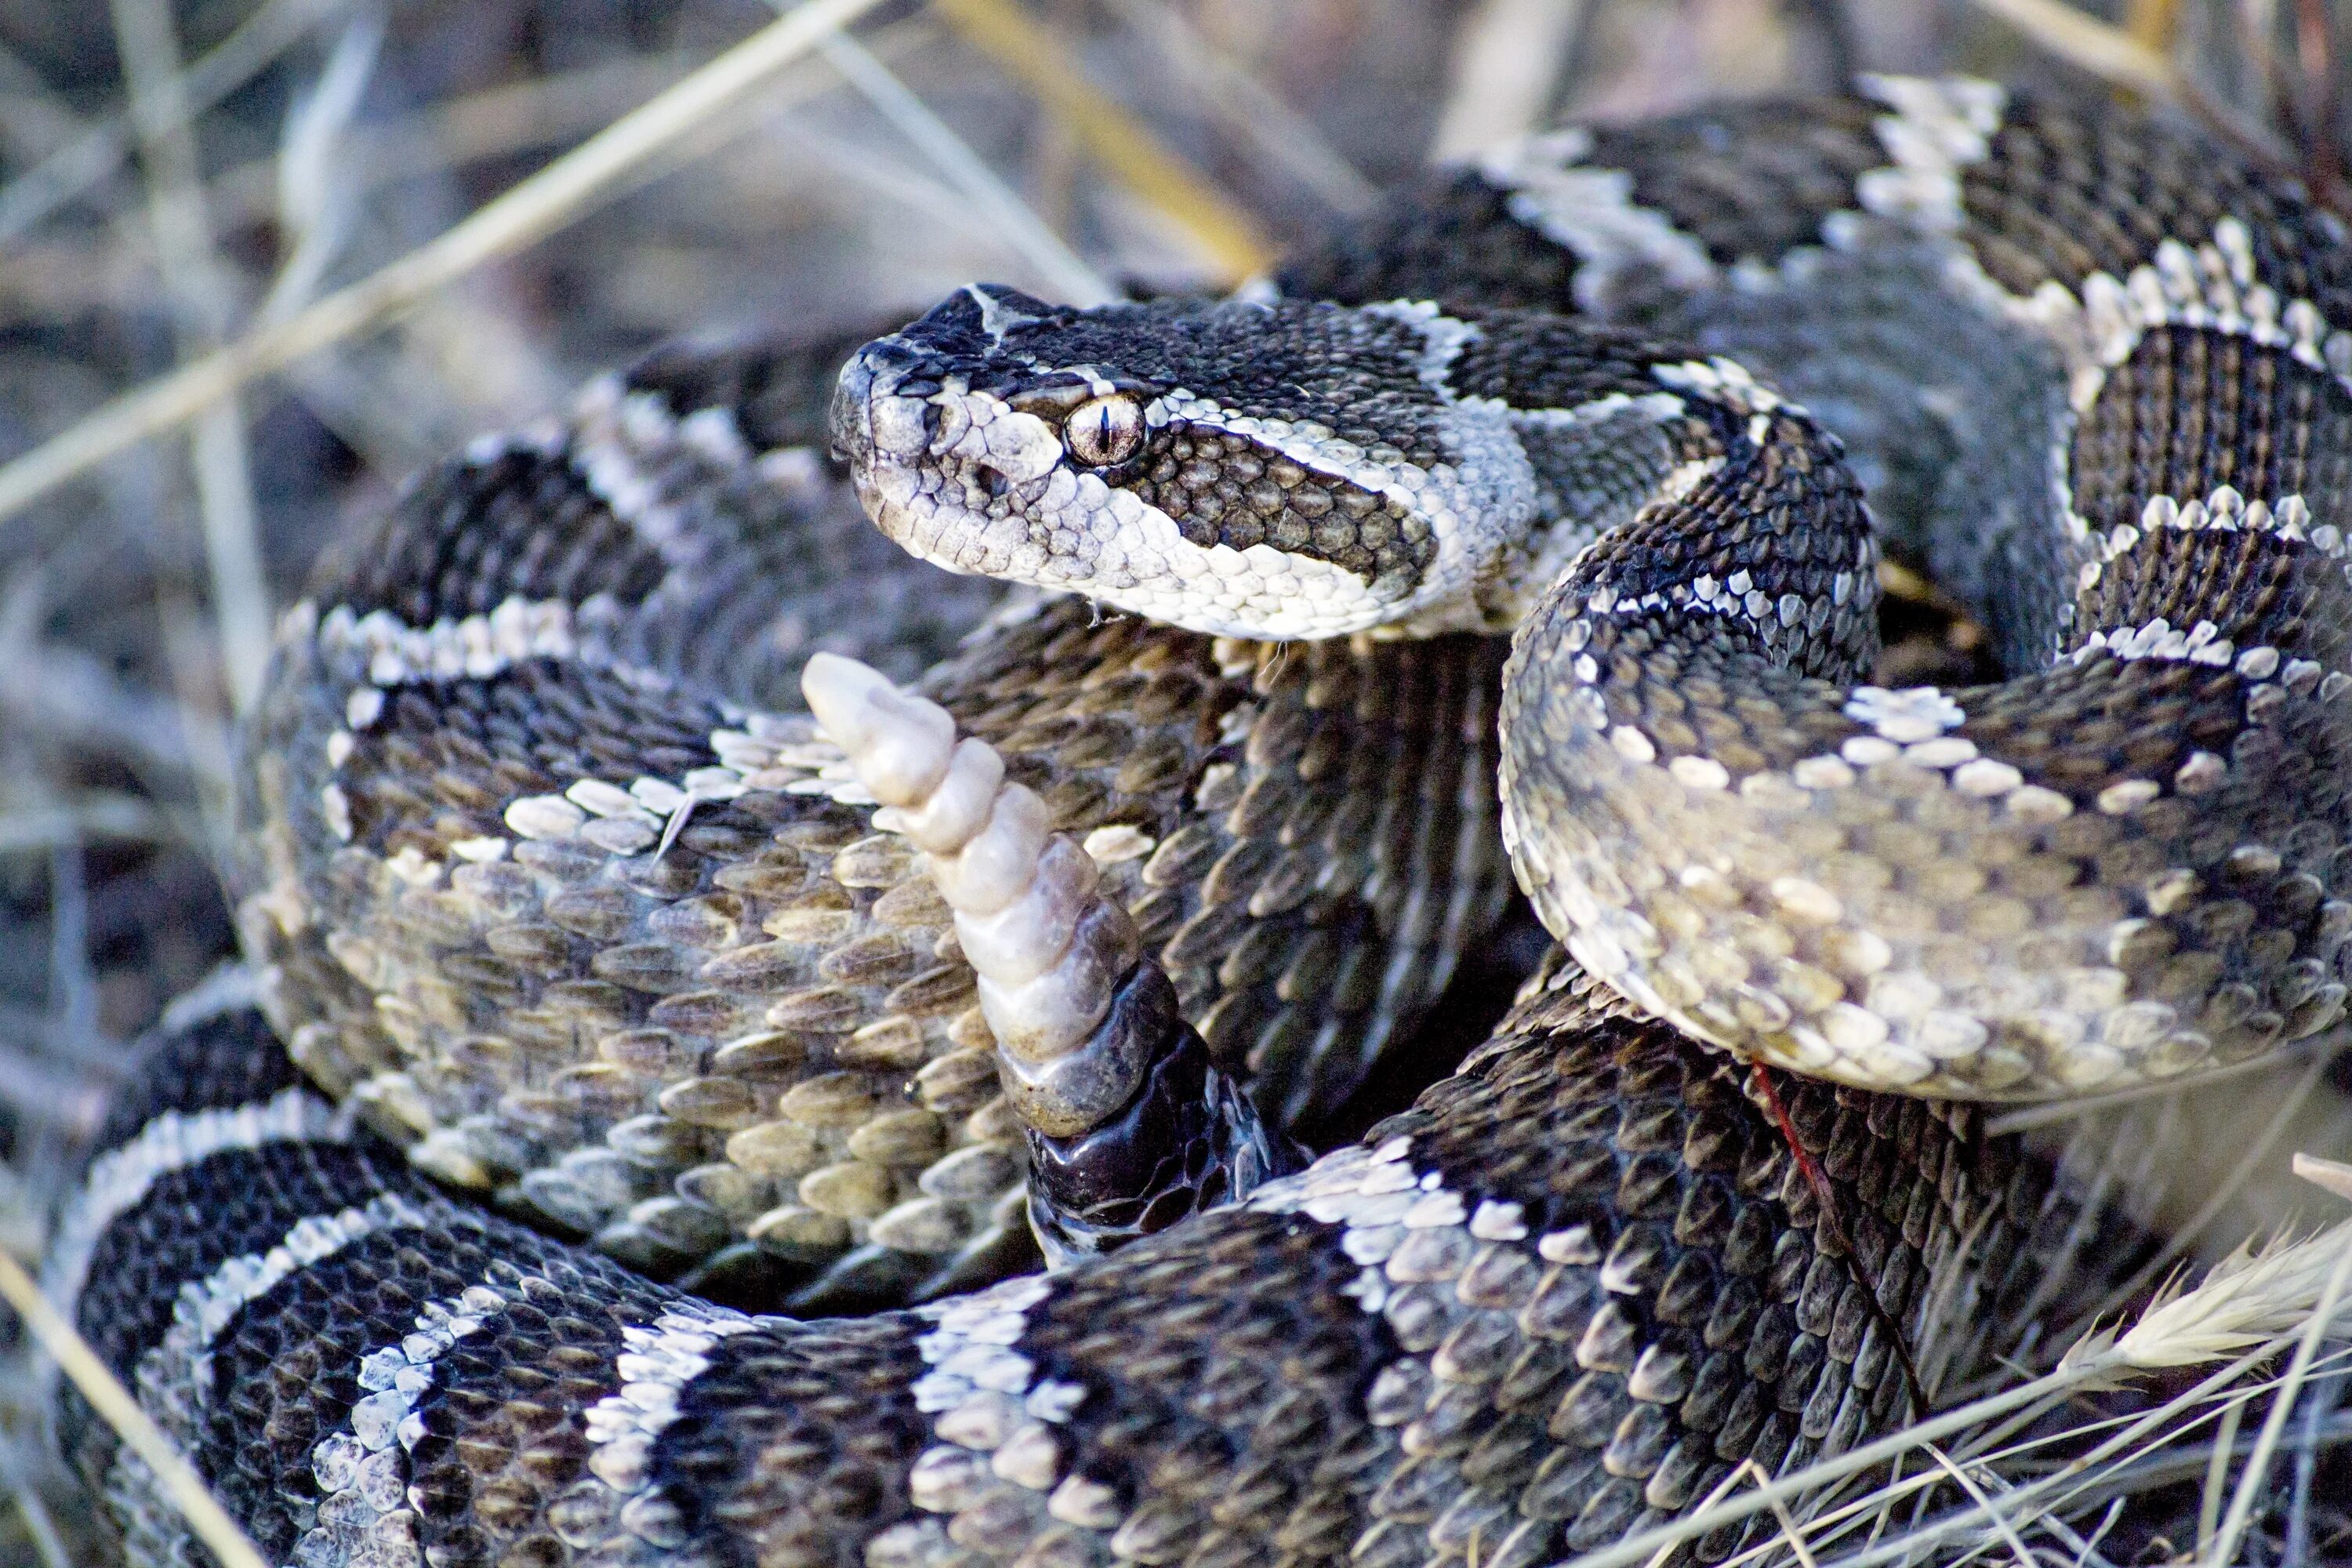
(1506, 60)
(200, 290)
(1061, 267)
(32, 197)
(178, 1478)
(1276, 132)
(2102, 48)
(2323, 157)
(523, 215)
(1130, 153)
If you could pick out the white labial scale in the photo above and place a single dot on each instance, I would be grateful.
(1134, 557)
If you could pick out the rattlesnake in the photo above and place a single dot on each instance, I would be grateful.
(547, 879)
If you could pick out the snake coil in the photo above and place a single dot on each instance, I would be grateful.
(553, 893)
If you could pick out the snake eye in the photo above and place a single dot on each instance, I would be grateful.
(1103, 431)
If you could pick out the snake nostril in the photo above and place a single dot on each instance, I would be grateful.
(992, 482)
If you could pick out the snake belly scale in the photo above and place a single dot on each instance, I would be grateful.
(572, 941)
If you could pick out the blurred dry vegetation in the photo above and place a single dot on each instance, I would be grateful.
(176, 176)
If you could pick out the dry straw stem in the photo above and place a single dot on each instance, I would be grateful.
(113, 1402)
(1033, 56)
(2085, 1480)
(2255, 1301)
(527, 213)
(1278, 133)
(1507, 58)
(2028, 1504)
(103, 814)
(2044, 1112)
(2099, 47)
(198, 285)
(2153, 22)
(1010, 216)
(2258, 1155)
(2241, 1503)
(2217, 1470)
(2000, 1521)
(82, 162)
(523, 116)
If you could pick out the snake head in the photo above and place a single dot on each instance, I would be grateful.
(1268, 469)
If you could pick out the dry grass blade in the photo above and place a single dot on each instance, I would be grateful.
(2323, 92)
(2217, 1471)
(41, 191)
(2037, 1499)
(113, 1402)
(2258, 1154)
(2328, 1175)
(2000, 1521)
(2044, 1114)
(70, 696)
(1033, 56)
(2102, 48)
(2246, 1303)
(1285, 138)
(2255, 1294)
(2242, 1502)
(1039, 245)
(97, 816)
(1732, 1478)
(198, 284)
(1507, 58)
(314, 205)
(528, 212)
(41, 1527)
(2153, 22)
(1790, 1536)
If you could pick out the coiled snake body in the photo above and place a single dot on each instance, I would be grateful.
(549, 880)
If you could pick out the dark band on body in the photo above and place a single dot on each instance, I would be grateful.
(520, 522)
(2266, 423)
